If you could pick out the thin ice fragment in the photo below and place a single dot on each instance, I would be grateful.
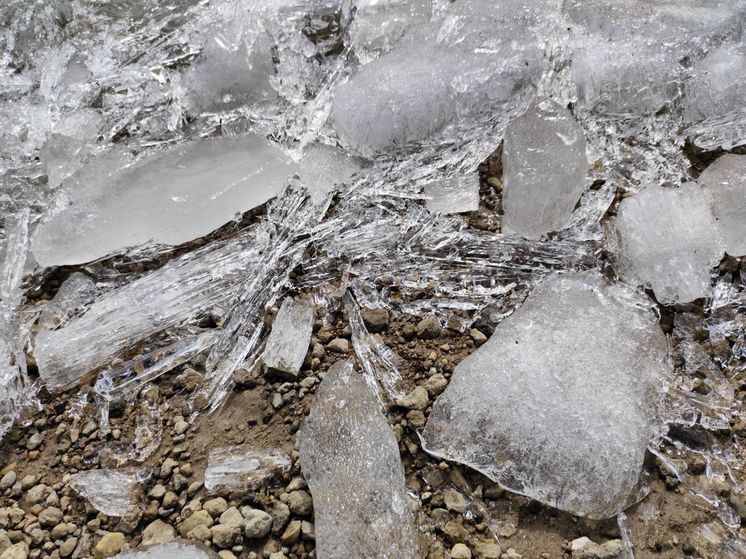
(544, 170)
(172, 197)
(350, 459)
(75, 293)
(172, 550)
(668, 239)
(724, 183)
(184, 288)
(288, 342)
(323, 167)
(109, 491)
(244, 468)
(563, 399)
(451, 197)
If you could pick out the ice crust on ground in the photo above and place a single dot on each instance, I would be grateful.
(175, 196)
(109, 491)
(569, 387)
(244, 468)
(667, 238)
(350, 459)
(172, 550)
(724, 183)
(544, 170)
(290, 338)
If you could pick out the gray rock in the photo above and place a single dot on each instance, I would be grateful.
(257, 523)
(416, 400)
(376, 320)
(300, 502)
(428, 328)
(158, 532)
(340, 345)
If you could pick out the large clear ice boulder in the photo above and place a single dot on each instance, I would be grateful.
(172, 197)
(667, 239)
(724, 183)
(350, 459)
(544, 170)
(562, 401)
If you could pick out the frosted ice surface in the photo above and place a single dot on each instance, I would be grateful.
(172, 197)
(243, 468)
(544, 170)
(718, 84)
(109, 491)
(625, 78)
(350, 459)
(456, 196)
(74, 294)
(182, 289)
(398, 98)
(666, 238)
(563, 399)
(288, 342)
(172, 550)
(724, 183)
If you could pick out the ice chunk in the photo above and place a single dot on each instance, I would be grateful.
(187, 286)
(244, 468)
(544, 170)
(563, 399)
(323, 167)
(172, 197)
(724, 183)
(450, 197)
(109, 491)
(625, 78)
(350, 459)
(399, 98)
(667, 238)
(172, 550)
(718, 84)
(291, 335)
(77, 291)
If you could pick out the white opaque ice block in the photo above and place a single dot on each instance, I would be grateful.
(667, 238)
(724, 183)
(172, 197)
(544, 170)
(350, 459)
(288, 342)
(562, 401)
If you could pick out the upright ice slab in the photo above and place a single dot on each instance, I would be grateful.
(172, 550)
(666, 238)
(109, 491)
(544, 170)
(172, 197)
(350, 459)
(243, 468)
(724, 183)
(563, 399)
(290, 337)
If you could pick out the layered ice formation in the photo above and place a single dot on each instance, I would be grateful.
(350, 459)
(172, 197)
(544, 170)
(563, 399)
(667, 238)
(724, 183)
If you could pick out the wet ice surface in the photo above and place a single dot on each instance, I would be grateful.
(569, 387)
(350, 459)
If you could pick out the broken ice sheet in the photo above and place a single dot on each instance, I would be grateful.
(563, 399)
(350, 459)
(544, 170)
(109, 491)
(288, 342)
(171, 197)
(667, 238)
(724, 183)
(244, 468)
(176, 549)
(449, 197)
(77, 291)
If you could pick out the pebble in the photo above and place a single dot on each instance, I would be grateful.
(291, 533)
(428, 328)
(416, 400)
(340, 345)
(109, 545)
(17, 551)
(68, 547)
(454, 500)
(460, 551)
(300, 503)
(511, 554)
(478, 337)
(34, 441)
(226, 536)
(158, 532)
(257, 523)
(199, 518)
(584, 548)
(215, 507)
(376, 320)
(488, 550)
(8, 480)
(435, 384)
(50, 517)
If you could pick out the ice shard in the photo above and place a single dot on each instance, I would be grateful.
(323, 167)
(109, 491)
(77, 291)
(174, 196)
(724, 183)
(172, 550)
(184, 288)
(563, 399)
(244, 468)
(544, 170)
(288, 342)
(350, 459)
(667, 238)
(450, 197)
